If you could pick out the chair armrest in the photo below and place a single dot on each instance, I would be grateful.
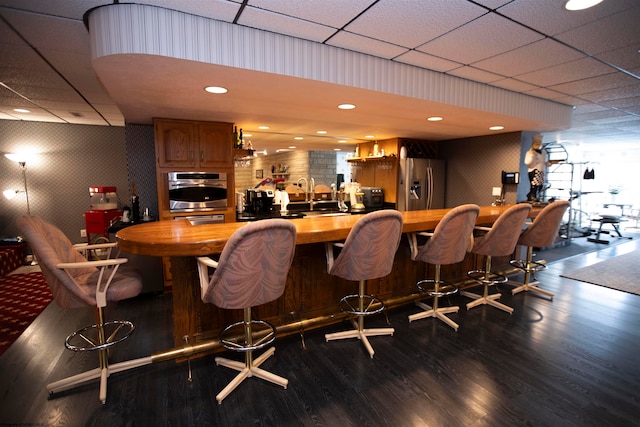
(98, 263)
(207, 261)
(101, 290)
(85, 246)
(204, 263)
(328, 247)
(481, 228)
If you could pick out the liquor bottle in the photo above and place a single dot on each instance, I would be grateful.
(135, 204)
(240, 140)
(235, 137)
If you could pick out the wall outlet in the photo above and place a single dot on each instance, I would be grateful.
(83, 233)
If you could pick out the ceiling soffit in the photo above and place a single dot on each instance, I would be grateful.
(129, 29)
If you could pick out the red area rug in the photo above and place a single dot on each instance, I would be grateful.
(22, 299)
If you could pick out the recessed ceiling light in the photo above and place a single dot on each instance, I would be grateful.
(342, 140)
(292, 147)
(337, 149)
(21, 110)
(215, 89)
(370, 136)
(263, 127)
(247, 135)
(322, 132)
(346, 106)
(581, 4)
(496, 128)
(434, 119)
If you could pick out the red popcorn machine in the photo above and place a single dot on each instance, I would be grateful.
(104, 211)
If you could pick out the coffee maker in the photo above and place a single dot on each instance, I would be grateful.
(259, 201)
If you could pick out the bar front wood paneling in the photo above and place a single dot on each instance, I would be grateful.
(310, 292)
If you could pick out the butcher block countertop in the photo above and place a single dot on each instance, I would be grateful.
(181, 238)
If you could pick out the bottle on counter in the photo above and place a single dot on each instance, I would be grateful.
(240, 142)
(235, 137)
(135, 204)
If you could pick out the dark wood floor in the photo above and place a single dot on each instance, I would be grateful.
(573, 361)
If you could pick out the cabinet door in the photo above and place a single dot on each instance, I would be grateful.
(216, 145)
(176, 144)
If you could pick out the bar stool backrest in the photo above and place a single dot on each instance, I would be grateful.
(370, 247)
(451, 238)
(73, 287)
(253, 266)
(501, 240)
(544, 229)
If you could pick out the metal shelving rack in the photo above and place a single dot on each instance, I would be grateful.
(559, 183)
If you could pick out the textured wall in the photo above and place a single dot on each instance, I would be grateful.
(141, 164)
(68, 160)
(475, 165)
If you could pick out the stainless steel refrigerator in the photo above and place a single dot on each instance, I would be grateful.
(421, 184)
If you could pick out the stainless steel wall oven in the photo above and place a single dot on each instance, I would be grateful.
(197, 191)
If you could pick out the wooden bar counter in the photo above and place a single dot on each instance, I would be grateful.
(311, 295)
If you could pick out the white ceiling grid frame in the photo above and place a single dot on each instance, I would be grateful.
(332, 13)
(405, 26)
(128, 28)
(480, 39)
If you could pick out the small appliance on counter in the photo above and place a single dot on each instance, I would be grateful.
(104, 211)
(259, 201)
(373, 197)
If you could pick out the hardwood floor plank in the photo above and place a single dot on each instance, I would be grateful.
(571, 361)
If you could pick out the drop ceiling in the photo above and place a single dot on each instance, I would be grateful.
(587, 62)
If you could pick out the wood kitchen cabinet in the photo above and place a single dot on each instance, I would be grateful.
(193, 145)
(189, 145)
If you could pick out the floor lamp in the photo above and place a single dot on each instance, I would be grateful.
(10, 194)
(22, 161)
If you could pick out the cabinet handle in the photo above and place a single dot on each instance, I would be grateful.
(202, 156)
(191, 156)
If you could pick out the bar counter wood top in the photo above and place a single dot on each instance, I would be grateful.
(311, 295)
(180, 238)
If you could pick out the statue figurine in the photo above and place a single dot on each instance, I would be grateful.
(535, 160)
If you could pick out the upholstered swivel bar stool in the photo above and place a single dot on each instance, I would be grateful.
(500, 240)
(252, 270)
(448, 244)
(366, 254)
(76, 282)
(540, 233)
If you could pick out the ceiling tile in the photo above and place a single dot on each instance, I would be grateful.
(333, 13)
(475, 74)
(222, 10)
(74, 9)
(551, 18)
(627, 57)
(480, 39)
(277, 23)
(513, 84)
(367, 45)
(412, 23)
(569, 71)
(424, 60)
(603, 82)
(46, 32)
(535, 56)
(545, 93)
(612, 32)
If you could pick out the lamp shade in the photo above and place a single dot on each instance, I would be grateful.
(17, 157)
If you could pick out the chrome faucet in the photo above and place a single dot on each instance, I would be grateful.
(312, 190)
(305, 188)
